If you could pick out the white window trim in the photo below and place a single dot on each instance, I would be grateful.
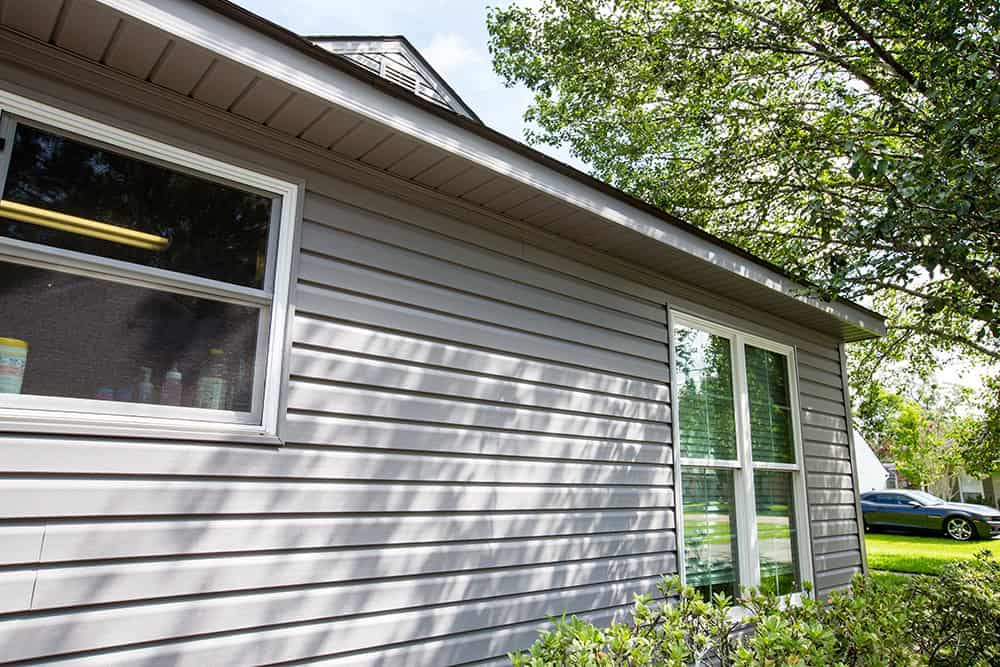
(746, 525)
(59, 414)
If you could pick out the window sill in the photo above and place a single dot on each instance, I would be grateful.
(739, 613)
(111, 426)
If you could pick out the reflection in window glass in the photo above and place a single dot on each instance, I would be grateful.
(776, 533)
(710, 547)
(209, 229)
(80, 337)
(770, 406)
(705, 395)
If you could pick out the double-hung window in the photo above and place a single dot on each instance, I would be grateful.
(742, 495)
(140, 284)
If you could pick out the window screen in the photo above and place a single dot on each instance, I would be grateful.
(104, 340)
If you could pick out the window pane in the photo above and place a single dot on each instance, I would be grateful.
(710, 551)
(770, 406)
(88, 338)
(705, 395)
(214, 231)
(776, 532)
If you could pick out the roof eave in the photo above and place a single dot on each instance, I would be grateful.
(613, 205)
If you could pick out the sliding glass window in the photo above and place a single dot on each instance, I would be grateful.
(131, 285)
(742, 491)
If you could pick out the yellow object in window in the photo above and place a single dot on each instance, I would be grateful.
(83, 226)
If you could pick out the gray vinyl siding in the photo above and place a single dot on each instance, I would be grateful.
(830, 481)
(477, 437)
(473, 443)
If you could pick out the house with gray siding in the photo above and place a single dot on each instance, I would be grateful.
(300, 362)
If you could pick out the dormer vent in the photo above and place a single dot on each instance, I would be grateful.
(394, 59)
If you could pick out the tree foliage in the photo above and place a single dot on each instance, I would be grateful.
(876, 413)
(980, 439)
(929, 438)
(854, 142)
(923, 448)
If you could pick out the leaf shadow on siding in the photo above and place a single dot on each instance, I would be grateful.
(401, 510)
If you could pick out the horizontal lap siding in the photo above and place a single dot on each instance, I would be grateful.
(832, 512)
(475, 442)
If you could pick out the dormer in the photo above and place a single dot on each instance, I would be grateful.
(393, 58)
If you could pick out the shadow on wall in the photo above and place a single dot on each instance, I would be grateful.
(426, 489)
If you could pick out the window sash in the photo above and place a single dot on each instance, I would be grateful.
(8, 127)
(272, 300)
(744, 466)
(770, 421)
(783, 553)
(712, 545)
(733, 399)
(113, 270)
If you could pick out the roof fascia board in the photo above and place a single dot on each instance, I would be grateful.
(198, 24)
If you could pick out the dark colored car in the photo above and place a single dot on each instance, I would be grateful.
(923, 512)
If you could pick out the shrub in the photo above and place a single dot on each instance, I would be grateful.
(958, 619)
(949, 620)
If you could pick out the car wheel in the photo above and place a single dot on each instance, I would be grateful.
(959, 529)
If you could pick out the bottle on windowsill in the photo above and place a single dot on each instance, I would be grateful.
(239, 392)
(145, 393)
(210, 391)
(172, 388)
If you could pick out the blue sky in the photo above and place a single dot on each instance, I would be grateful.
(451, 35)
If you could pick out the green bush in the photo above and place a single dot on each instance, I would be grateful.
(950, 620)
(958, 619)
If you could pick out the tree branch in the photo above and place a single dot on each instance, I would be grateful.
(825, 52)
(945, 335)
(879, 50)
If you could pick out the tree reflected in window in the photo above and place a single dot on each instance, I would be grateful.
(215, 231)
(705, 394)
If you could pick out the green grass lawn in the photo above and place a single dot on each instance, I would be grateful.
(919, 554)
(891, 579)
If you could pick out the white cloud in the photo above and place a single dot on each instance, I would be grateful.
(450, 53)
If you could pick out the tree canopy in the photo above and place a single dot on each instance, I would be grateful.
(928, 438)
(854, 142)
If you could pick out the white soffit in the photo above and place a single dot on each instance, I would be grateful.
(192, 22)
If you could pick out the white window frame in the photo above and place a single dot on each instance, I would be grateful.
(30, 412)
(748, 552)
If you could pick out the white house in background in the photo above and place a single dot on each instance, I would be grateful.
(966, 488)
(872, 475)
(991, 490)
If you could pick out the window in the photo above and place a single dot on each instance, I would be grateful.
(139, 282)
(742, 494)
(893, 499)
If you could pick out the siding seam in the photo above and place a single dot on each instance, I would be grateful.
(41, 550)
